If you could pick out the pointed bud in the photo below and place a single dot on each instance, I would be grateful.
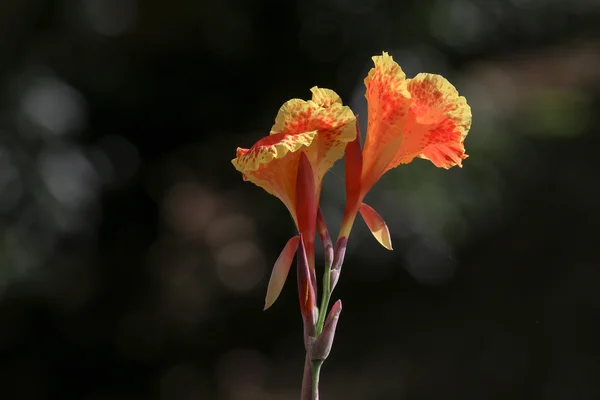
(280, 271)
(322, 346)
(376, 225)
(306, 293)
(325, 238)
(340, 253)
(334, 276)
(306, 211)
(329, 256)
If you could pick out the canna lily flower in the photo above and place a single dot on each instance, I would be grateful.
(305, 141)
(407, 118)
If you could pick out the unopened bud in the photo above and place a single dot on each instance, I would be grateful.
(325, 238)
(329, 255)
(306, 293)
(322, 346)
(334, 276)
(340, 252)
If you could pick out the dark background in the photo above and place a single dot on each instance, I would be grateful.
(134, 260)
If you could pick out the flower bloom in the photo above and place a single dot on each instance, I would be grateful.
(320, 129)
(407, 118)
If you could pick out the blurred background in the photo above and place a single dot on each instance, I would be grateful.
(134, 260)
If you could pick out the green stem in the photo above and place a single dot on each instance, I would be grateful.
(324, 300)
(316, 365)
(316, 370)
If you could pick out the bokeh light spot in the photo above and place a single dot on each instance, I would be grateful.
(69, 176)
(458, 23)
(228, 227)
(54, 106)
(240, 265)
(189, 209)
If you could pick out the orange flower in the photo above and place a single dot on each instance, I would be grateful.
(420, 117)
(320, 128)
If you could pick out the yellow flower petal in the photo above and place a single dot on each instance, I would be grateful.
(272, 164)
(335, 125)
(325, 97)
(270, 148)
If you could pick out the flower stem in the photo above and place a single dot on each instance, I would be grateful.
(324, 300)
(307, 385)
(316, 370)
(315, 365)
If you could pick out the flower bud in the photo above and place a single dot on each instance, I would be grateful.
(306, 293)
(325, 238)
(340, 252)
(322, 346)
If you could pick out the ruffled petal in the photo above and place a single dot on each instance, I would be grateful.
(272, 164)
(335, 125)
(320, 128)
(270, 148)
(325, 97)
(438, 122)
(388, 103)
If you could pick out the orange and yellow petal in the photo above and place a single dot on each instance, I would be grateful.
(272, 164)
(320, 128)
(270, 148)
(325, 97)
(438, 122)
(335, 125)
(388, 103)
